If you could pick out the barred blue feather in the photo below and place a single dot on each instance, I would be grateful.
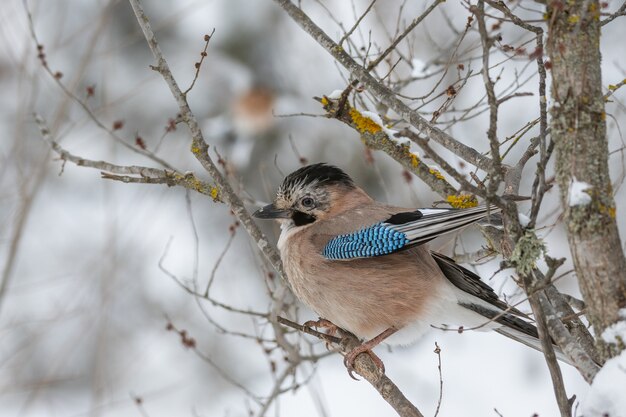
(379, 239)
(402, 230)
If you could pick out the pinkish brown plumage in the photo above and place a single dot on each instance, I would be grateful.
(403, 293)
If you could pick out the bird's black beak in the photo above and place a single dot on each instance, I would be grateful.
(271, 212)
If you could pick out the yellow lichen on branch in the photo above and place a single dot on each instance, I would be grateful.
(436, 173)
(377, 137)
(462, 200)
(364, 124)
(572, 20)
(610, 211)
(215, 193)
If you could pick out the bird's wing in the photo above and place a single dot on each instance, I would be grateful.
(401, 231)
(471, 284)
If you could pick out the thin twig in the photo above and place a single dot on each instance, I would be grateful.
(357, 23)
(408, 30)
(492, 133)
(438, 353)
(199, 147)
(218, 262)
(198, 65)
(620, 12)
(423, 143)
(550, 357)
(57, 79)
(384, 94)
(309, 330)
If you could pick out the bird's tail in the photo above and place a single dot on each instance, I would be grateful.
(518, 329)
(532, 342)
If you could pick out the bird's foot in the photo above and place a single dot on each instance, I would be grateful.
(366, 347)
(324, 324)
(350, 357)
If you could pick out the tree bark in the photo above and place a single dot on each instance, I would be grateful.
(579, 132)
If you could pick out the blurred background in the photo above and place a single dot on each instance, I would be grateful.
(88, 265)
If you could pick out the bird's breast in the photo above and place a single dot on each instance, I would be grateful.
(364, 296)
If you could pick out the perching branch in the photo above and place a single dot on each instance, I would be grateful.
(365, 366)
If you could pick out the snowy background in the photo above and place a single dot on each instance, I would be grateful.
(83, 318)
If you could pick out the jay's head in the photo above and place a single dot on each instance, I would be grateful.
(311, 193)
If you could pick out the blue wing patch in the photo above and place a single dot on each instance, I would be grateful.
(403, 230)
(379, 239)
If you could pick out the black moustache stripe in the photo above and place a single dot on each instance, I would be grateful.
(300, 219)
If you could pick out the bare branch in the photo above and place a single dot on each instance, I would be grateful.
(408, 30)
(562, 337)
(357, 23)
(374, 137)
(132, 173)
(203, 54)
(492, 133)
(619, 12)
(438, 353)
(308, 330)
(423, 143)
(384, 94)
(199, 147)
(549, 355)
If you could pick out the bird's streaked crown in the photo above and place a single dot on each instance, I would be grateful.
(317, 175)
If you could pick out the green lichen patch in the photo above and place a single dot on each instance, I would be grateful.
(528, 250)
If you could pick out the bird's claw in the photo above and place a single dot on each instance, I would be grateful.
(324, 324)
(351, 356)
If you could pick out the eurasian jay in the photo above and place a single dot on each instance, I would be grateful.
(363, 265)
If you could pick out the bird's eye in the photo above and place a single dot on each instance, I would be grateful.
(307, 202)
